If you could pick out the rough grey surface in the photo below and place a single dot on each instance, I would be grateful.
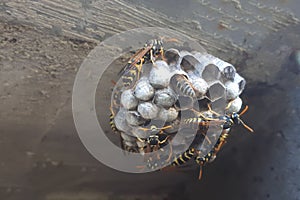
(44, 42)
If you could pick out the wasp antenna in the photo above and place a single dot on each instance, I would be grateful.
(166, 127)
(247, 127)
(210, 110)
(144, 129)
(200, 173)
(245, 110)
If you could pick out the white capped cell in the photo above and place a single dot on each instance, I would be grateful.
(148, 110)
(128, 100)
(160, 74)
(134, 118)
(168, 115)
(234, 106)
(143, 90)
(165, 97)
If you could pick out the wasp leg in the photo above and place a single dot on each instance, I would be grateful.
(209, 108)
(200, 172)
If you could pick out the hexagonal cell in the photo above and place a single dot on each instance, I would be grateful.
(216, 91)
(232, 90)
(140, 133)
(219, 106)
(204, 60)
(201, 104)
(172, 56)
(227, 69)
(188, 63)
(211, 73)
(240, 81)
(183, 103)
(229, 72)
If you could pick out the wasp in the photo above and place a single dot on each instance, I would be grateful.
(232, 119)
(149, 53)
(155, 143)
(123, 144)
(226, 122)
(182, 85)
(201, 160)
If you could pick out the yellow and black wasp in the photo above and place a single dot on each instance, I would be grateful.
(149, 53)
(180, 83)
(114, 107)
(196, 154)
(203, 123)
(155, 143)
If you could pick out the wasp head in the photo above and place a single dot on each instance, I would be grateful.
(153, 140)
(235, 118)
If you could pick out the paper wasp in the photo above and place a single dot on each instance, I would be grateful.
(201, 160)
(155, 143)
(203, 123)
(183, 85)
(224, 121)
(149, 53)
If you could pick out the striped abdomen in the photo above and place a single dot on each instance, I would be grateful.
(183, 158)
(196, 123)
(112, 124)
(180, 83)
(206, 159)
(132, 75)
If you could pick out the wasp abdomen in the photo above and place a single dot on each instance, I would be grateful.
(112, 124)
(206, 159)
(183, 158)
(180, 83)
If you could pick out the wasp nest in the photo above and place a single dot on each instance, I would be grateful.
(182, 83)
